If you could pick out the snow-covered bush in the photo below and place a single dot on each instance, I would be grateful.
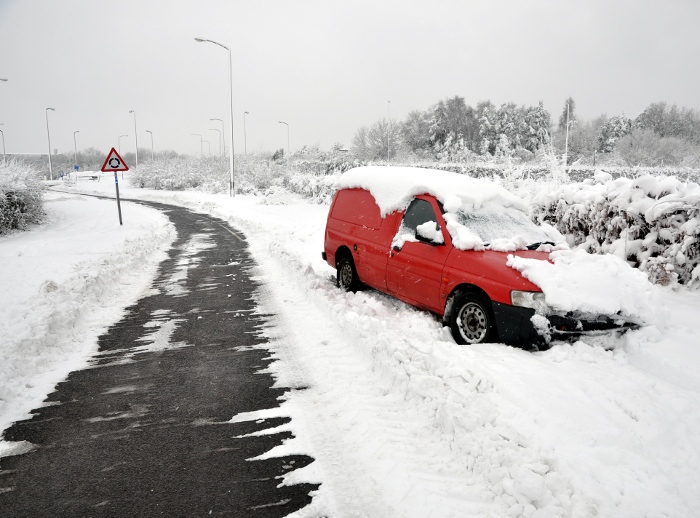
(651, 221)
(21, 201)
(206, 173)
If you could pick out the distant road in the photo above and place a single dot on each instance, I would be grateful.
(145, 431)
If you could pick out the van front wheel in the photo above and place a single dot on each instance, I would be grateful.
(471, 320)
(347, 278)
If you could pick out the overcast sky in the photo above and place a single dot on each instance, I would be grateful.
(325, 67)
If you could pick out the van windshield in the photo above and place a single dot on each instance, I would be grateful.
(490, 226)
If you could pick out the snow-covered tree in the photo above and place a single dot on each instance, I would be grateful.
(613, 129)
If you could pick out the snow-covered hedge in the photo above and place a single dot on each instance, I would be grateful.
(21, 202)
(651, 221)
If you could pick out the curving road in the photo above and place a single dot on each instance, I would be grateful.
(145, 431)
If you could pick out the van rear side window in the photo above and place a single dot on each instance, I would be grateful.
(357, 206)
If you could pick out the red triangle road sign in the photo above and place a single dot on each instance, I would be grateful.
(114, 162)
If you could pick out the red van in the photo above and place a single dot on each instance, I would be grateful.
(404, 249)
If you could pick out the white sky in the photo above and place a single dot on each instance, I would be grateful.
(325, 67)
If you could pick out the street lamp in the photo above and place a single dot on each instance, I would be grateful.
(388, 126)
(201, 145)
(1, 79)
(119, 143)
(48, 135)
(149, 131)
(75, 148)
(230, 88)
(223, 136)
(245, 139)
(4, 162)
(282, 122)
(136, 137)
(209, 145)
(219, 140)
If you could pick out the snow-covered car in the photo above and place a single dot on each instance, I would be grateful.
(466, 250)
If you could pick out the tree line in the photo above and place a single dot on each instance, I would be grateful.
(452, 130)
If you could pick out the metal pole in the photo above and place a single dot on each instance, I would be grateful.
(136, 136)
(388, 125)
(223, 135)
(219, 139)
(209, 145)
(230, 88)
(149, 131)
(245, 138)
(75, 148)
(119, 143)
(4, 160)
(566, 141)
(48, 135)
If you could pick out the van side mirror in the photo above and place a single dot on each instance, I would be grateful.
(429, 232)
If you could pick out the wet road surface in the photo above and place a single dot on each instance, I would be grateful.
(144, 431)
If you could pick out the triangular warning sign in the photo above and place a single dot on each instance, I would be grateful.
(114, 162)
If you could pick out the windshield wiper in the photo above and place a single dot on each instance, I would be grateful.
(535, 246)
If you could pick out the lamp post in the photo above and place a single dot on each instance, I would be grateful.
(4, 162)
(119, 143)
(218, 140)
(208, 145)
(136, 136)
(48, 135)
(75, 148)
(282, 122)
(149, 131)
(230, 88)
(245, 138)
(201, 145)
(1, 79)
(388, 126)
(223, 136)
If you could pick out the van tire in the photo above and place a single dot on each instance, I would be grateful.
(471, 320)
(346, 276)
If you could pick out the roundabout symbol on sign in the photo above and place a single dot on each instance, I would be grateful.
(114, 163)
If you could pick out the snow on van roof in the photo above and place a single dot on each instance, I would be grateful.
(393, 188)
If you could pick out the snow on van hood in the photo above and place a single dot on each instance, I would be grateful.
(393, 188)
(577, 281)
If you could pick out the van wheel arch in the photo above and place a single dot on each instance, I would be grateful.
(346, 274)
(473, 294)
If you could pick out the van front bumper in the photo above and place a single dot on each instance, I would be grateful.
(515, 327)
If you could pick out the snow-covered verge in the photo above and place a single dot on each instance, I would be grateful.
(652, 221)
(63, 283)
(401, 421)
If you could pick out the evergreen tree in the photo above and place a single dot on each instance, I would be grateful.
(570, 107)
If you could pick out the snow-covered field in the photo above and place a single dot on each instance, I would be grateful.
(400, 419)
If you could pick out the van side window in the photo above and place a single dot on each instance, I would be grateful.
(418, 212)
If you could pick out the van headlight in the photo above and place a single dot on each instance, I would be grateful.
(527, 299)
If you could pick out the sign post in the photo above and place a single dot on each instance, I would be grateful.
(115, 163)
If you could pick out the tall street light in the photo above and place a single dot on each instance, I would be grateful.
(201, 144)
(48, 135)
(119, 143)
(230, 88)
(136, 136)
(218, 140)
(388, 126)
(75, 148)
(282, 122)
(245, 138)
(149, 131)
(1, 79)
(223, 136)
(4, 160)
(208, 145)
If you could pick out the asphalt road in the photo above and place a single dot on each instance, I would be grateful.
(145, 431)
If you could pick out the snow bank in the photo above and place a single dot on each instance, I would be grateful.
(63, 284)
